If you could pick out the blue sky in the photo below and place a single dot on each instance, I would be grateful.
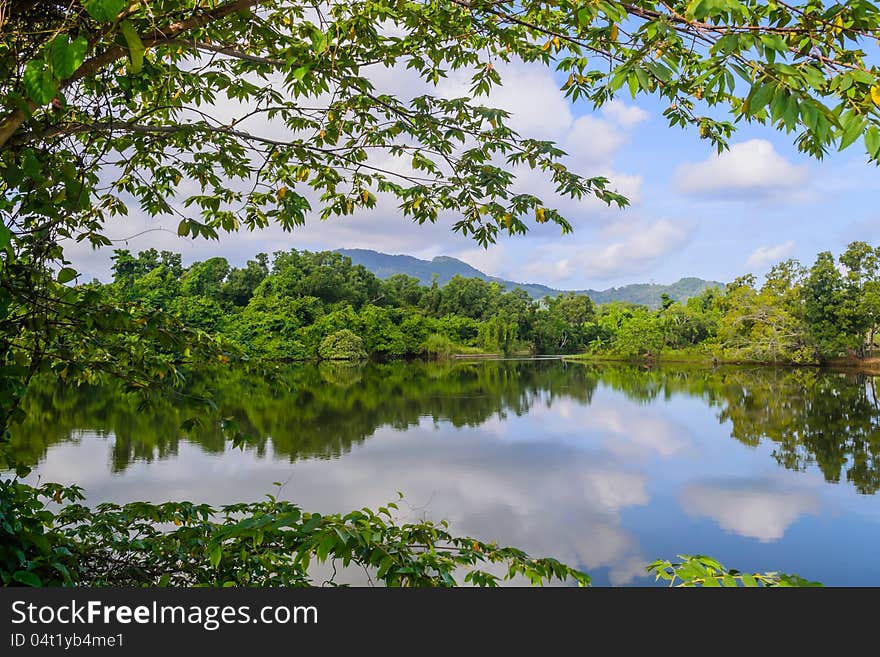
(693, 213)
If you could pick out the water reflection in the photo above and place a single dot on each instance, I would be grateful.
(604, 467)
(755, 508)
(810, 416)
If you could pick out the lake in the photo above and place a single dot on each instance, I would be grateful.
(606, 467)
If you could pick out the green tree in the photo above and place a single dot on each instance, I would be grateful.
(641, 334)
(401, 290)
(328, 276)
(823, 305)
(469, 297)
(859, 309)
(205, 278)
(240, 284)
(767, 325)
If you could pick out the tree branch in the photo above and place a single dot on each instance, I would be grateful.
(11, 123)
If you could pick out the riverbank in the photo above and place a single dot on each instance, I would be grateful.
(856, 365)
(870, 366)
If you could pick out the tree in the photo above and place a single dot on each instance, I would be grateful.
(205, 278)
(241, 283)
(642, 333)
(401, 290)
(767, 325)
(859, 301)
(823, 311)
(328, 276)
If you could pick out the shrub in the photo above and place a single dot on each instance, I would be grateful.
(342, 345)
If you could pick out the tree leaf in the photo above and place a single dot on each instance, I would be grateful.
(852, 132)
(761, 94)
(67, 56)
(105, 11)
(585, 16)
(38, 82)
(135, 47)
(872, 141)
(66, 275)
(27, 578)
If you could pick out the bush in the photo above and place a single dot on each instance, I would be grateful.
(438, 346)
(33, 552)
(342, 345)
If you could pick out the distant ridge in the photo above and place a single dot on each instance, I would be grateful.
(384, 265)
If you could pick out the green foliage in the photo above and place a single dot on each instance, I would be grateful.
(342, 345)
(702, 571)
(765, 325)
(33, 548)
(797, 316)
(640, 333)
(284, 313)
(269, 543)
(438, 346)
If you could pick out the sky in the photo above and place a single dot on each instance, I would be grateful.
(692, 212)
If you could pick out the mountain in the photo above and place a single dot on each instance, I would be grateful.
(648, 294)
(384, 265)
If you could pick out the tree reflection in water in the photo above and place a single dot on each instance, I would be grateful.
(811, 416)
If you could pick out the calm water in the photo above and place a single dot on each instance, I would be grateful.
(604, 467)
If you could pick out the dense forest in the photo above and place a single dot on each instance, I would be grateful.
(307, 305)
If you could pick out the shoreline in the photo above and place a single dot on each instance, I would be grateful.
(869, 366)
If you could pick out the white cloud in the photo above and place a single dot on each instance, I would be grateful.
(491, 260)
(590, 139)
(753, 508)
(550, 268)
(749, 168)
(643, 245)
(630, 251)
(768, 255)
(625, 115)
(626, 434)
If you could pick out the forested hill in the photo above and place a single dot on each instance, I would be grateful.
(384, 265)
(648, 294)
